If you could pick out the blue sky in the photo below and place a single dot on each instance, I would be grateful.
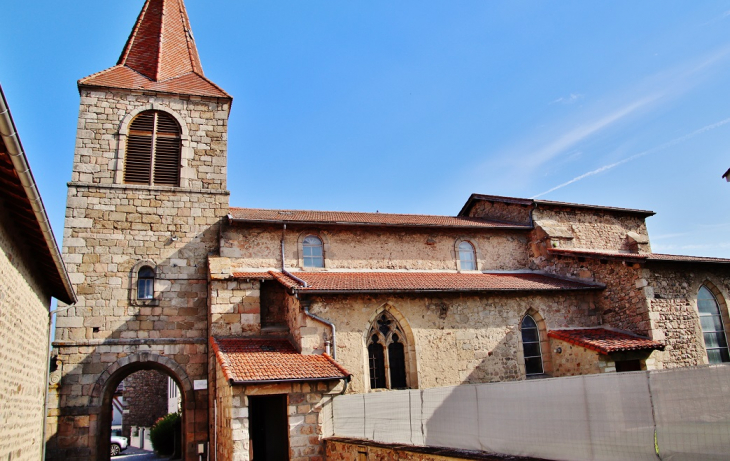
(410, 106)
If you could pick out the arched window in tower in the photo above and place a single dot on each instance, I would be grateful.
(531, 346)
(312, 252)
(153, 150)
(467, 257)
(146, 283)
(386, 354)
(712, 326)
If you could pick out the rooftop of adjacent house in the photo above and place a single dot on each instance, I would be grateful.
(394, 281)
(474, 198)
(605, 341)
(255, 215)
(23, 203)
(160, 55)
(269, 360)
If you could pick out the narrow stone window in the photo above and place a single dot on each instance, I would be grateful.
(467, 257)
(312, 252)
(146, 283)
(531, 346)
(713, 331)
(387, 369)
(153, 150)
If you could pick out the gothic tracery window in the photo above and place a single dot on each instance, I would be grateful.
(386, 353)
(712, 327)
(531, 346)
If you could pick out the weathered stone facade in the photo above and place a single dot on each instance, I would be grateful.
(24, 302)
(145, 399)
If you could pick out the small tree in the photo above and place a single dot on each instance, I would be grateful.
(162, 434)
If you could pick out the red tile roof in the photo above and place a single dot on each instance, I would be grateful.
(160, 55)
(357, 218)
(605, 341)
(373, 282)
(658, 257)
(255, 360)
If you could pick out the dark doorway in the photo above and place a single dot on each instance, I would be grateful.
(269, 428)
(628, 365)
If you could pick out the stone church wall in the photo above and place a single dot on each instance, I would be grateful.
(455, 339)
(374, 248)
(145, 399)
(24, 305)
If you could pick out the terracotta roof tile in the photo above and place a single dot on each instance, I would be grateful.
(160, 55)
(256, 360)
(358, 218)
(605, 341)
(658, 257)
(329, 282)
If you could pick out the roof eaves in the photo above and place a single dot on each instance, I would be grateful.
(19, 160)
(370, 224)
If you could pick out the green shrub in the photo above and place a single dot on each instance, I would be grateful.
(162, 434)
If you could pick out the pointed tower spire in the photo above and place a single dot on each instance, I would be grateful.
(160, 55)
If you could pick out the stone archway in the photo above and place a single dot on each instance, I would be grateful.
(103, 392)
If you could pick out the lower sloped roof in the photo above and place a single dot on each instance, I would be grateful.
(270, 360)
(605, 341)
(409, 281)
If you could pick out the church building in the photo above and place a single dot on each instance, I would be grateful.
(262, 317)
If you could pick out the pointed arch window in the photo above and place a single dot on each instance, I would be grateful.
(531, 346)
(153, 150)
(312, 251)
(387, 354)
(467, 257)
(711, 322)
(146, 283)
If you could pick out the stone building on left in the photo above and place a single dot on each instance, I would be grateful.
(31, 273)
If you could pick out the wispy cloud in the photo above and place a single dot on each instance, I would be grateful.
(570, 99)
(574, 136)
(653, 150)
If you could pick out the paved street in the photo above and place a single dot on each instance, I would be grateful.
(135, 454)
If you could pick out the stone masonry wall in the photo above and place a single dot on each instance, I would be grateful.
(673, 292)
(623, 303)
(145, 396)
(24, 303)
(575, 360)
(596, 230)
(112, 229)
(100, 148)
(500, 211)
(374, 248)
(305, 403)
(452, 339)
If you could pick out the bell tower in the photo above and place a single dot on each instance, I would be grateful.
(145, 201)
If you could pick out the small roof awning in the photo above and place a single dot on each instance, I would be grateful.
(415, 282)
(264, 360)
(605, 341)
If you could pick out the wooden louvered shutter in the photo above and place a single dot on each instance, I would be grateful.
(153, 150)
(138, 159)
(167, 151)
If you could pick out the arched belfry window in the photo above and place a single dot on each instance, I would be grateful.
(153, 150)
(531, 346)
(312, 251)
(467, 257)
(387, 353)
(711, 322)
(146, 283)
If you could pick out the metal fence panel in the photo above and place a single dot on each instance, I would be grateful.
(692, 410)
